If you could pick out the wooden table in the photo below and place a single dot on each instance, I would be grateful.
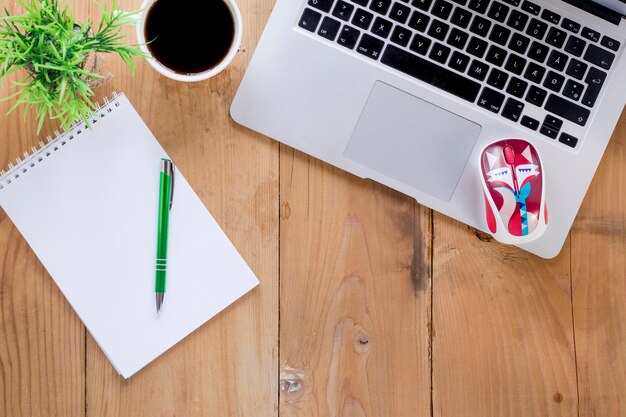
(369, 304)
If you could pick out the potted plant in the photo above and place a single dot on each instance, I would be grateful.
(60, 57)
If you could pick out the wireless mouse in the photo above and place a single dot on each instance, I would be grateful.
(513, 181)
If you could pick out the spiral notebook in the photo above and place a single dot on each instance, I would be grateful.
(86, 201)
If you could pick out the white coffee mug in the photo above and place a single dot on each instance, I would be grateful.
(154, 62)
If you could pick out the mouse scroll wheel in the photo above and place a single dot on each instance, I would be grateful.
(509, 155)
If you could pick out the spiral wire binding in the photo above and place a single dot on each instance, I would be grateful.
(53, 144)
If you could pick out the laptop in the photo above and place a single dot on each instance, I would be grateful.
(409, 92)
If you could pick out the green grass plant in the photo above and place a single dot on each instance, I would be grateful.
(51, 47)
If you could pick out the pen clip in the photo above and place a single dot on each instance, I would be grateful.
(172, 188)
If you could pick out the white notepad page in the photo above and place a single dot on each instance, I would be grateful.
(89, 211)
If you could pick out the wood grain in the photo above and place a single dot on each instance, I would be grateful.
(41, 339)
(502, 328)
(355, 295)
(599, 280)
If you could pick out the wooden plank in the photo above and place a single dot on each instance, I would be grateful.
(42, 342)
(41, 339)
(502, 328)
(355, 295)
(228, 367)
(599, 282)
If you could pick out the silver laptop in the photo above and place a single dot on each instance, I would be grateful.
(408, 93)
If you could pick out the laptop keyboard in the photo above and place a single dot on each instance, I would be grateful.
(511, 57)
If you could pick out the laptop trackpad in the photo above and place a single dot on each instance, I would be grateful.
(412, 141)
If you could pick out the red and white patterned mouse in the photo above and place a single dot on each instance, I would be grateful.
(513, 180)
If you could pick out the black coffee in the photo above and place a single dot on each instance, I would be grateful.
(189, 37)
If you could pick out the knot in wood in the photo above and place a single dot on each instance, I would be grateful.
(362, 342)
(291, 382)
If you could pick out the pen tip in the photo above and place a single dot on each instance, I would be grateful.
(159, 301)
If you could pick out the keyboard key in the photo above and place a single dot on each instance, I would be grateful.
(573, 90)
(370, 46)
(550, 16)
(538, 52)
(381, 27)
(513, 109)
(519, 43)
(401, 36)
(556, 37)
(362, 19)
(500, 35)
(568, 110)
(590, 34)
(570, 25)
(380, 6)
(568, 140)
(517, 20)
(459, 61)
(498, 11)
(399, 13)
(557, 60)
(531, 8)
(480, 26)
(530, 123)
(549, 131)
(461, 2)
(419, 21)
(422, 4)
(431, 73)
(439, 53)
(309, 20)
(517, 87)
(537, 28)
(348, 37)
(329, 28)
(361, 2)
(497, 78)
(534, 73)
(438, 29)
(515, 64)
(553, 121)
(514, 3)
(595, 77)
(491, 100)
(575, 46)
(479, 6)
(461, 17)
(457, 38)
(554, 81)
(323, 5)
(477, 47)
(576, 69)
(343, 10)
(599, 56)
(442, 9)
(594, 80)
(610, 43)
(536, 95)
(496, 55)
(420, 44)
(478, 70)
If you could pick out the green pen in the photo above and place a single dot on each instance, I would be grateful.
(166, 197)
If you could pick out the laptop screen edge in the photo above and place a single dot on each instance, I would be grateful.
(618, 6)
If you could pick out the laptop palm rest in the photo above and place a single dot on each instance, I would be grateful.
(412, 141)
